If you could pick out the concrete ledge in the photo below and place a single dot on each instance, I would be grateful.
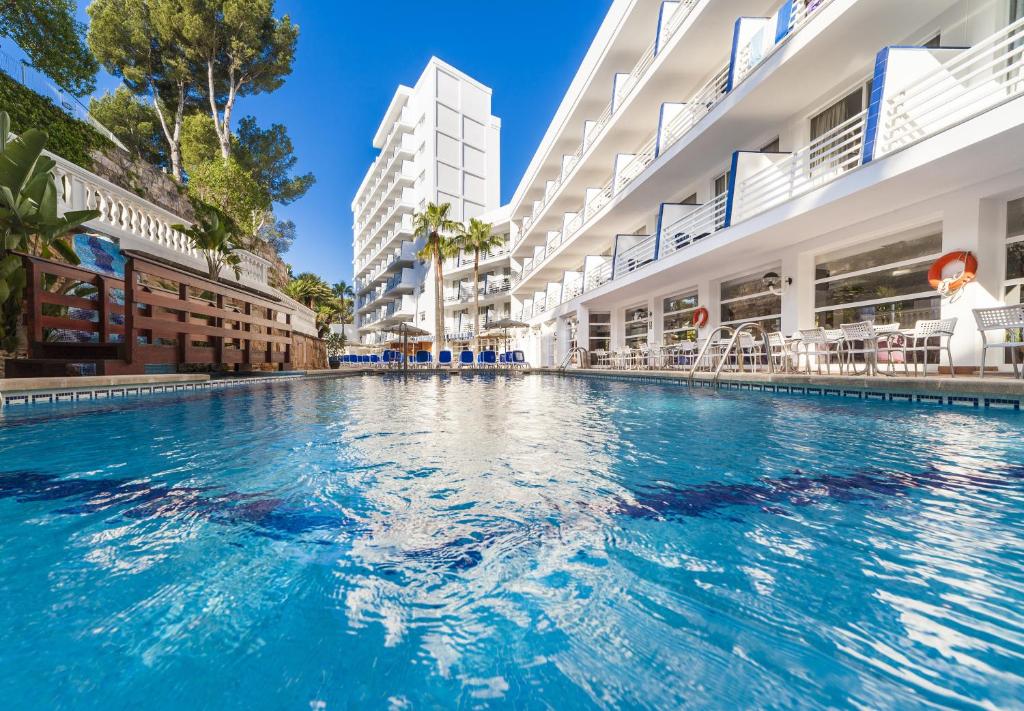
(991, 392)
(25, 385)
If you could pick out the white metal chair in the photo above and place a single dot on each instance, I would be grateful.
(865, 339)
(779, 351)
(932, 336)
(820, 344)
(1005, 319)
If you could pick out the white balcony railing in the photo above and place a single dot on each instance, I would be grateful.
(703, 221)
(814, 165)
(635, 78)
(974, 81)
(639, 255)
(696, 108)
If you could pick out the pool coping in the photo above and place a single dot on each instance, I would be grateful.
(964, 391)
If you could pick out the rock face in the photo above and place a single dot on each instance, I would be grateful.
(144, 180)
(308, 353)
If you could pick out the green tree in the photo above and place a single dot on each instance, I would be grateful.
(211, 236)
(199, 143)
(142, 42)
(343, 290)
(47, 31)
(313, 292)
(477, 237)
(28, 218)
(269, 156)
(243, 50)
(435, 224)
(310, 290)
(280, 236)
(335, 344)
(227, 186)
(135, 123)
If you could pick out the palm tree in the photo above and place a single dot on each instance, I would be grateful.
(342, 290)
(478, 238)
(435, 224)
(211, 235)
(310, 290)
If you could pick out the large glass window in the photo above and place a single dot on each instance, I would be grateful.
(885, 281)
(748, 299)
(638, 322)
(600, 332)
(677, 318)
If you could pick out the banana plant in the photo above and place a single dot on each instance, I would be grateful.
(29, 221)
(211, 235)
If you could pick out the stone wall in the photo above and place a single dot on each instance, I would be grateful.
(308, 353)
(144, 180)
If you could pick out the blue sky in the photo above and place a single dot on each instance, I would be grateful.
(351, 57)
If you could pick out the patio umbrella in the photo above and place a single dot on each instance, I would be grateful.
(505, 324)
(404, 330)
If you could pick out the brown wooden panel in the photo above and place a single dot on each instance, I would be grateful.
(167, 326)
(149, 353)
(69, 323)
(205, 310)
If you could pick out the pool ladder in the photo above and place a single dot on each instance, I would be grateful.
(578, 350)
(729, 348)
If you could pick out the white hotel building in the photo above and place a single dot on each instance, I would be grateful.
(841, 144)
(438, 142)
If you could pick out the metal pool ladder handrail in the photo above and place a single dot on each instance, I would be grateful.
(584, 361)
(725, 330)
(732, 344)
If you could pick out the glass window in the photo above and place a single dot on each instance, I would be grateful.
(637, 326)
(886, 281)
(772, 146)
(600, 331)
(838, 151)
(746, 299)
(677, 318)
(880, 254)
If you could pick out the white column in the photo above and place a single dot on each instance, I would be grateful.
(977, 226)
(798, 297)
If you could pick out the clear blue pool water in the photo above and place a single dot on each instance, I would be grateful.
(492, 541)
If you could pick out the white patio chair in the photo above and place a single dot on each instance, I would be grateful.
(865, 339)
(779, 351)
(932, 336)
(1000, 318)
(820, 344)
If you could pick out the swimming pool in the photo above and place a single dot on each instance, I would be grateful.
(492, 540)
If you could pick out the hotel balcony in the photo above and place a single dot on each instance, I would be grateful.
(403, 256)
(937, 119)
(461, 328)
(490, 289)
(403, 178)
(402, 309)
(464, 261)
(400, 135)
(405, 149)
(399, 223)
(778, 65)
(681, 46)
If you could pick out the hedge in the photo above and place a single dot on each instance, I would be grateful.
(70, 138)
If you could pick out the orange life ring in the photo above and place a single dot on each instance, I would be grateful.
(951, 286)
(700, 317)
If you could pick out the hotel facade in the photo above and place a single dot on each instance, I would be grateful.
(794, 163)
(437, 142)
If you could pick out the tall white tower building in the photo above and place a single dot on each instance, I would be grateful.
(438, 143)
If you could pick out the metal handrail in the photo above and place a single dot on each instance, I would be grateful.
(578, 350)
(750, 326)
(707, 346)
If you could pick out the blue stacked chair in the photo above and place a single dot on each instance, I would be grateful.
(444, 358)
(424, 359)
(490, 359)
(465, 358)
